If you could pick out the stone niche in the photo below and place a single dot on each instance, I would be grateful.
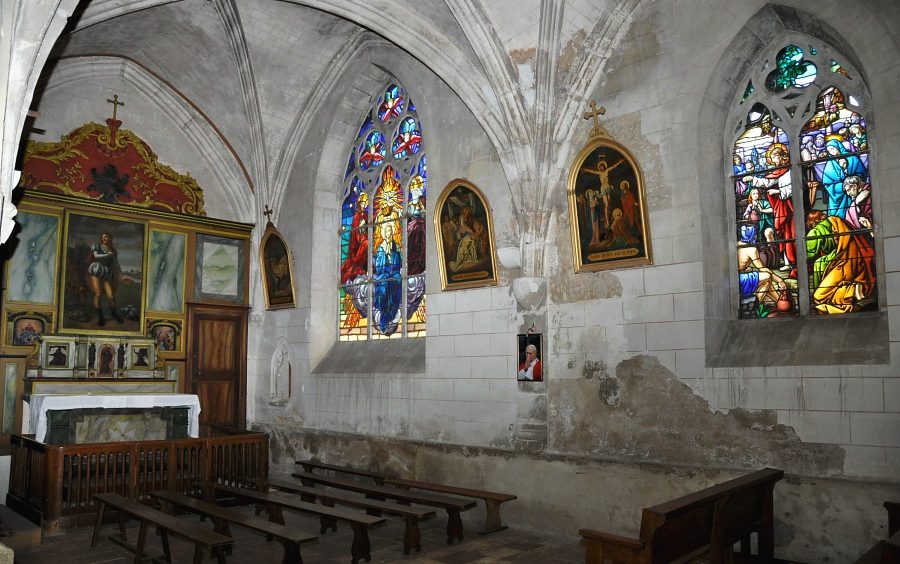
(105, 425)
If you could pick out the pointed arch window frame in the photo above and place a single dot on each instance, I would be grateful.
(792, 109)
(410, 210)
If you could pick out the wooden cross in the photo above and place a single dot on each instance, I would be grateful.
(595, 111)
(116, 103)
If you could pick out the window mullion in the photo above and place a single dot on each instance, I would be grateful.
(799, 227)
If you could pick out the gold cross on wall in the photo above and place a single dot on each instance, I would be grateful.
(116, 103)
(268, 213)
(596, 111)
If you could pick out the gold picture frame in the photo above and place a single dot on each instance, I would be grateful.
(464, 231)
(276, 266)
(123, 315)
(607, 219)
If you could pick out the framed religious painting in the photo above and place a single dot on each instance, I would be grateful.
(219, 269)
(607, 208)
(103, 275)
(465, 237)
(277, 267)
(166, 333)
(24, 328)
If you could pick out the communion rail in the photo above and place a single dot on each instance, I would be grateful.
(54, 485)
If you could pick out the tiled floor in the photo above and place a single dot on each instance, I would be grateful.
(73, 546)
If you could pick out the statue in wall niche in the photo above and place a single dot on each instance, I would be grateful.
(120, 357)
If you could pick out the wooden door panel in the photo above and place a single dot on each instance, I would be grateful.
(217, 403)
(218, 363)
(217, 346)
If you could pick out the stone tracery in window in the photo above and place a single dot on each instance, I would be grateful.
(382, 233)
(801, 145)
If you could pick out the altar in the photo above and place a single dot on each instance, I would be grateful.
(110, 418)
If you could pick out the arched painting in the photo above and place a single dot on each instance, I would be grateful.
(607, 211)
(276, 266)
(465, 237)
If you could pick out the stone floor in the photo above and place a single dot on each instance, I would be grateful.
(73, 546)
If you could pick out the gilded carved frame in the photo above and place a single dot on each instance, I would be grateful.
(458, 273)
(625, 235)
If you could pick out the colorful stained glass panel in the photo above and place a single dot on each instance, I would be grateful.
(392, 103)
(791, 70)
(407, 140)
(841, 263)
(372, 151)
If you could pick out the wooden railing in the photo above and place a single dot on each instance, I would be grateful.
(54, 484)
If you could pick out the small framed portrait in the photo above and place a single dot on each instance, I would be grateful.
(276, 265)
(530, 367)
(58, 355)
(166, 333)
(465, 236)
(24, 328)
(607, 210)
(107, 354)
(219, 269)
(140, 357)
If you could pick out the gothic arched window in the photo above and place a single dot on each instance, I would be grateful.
(382, 232)
(802, 188)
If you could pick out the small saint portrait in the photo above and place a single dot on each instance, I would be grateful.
(463, 229)
(107, 361)
(165, 335)
(57, 355)
(26, 331)
(607, 212)
(141, 357)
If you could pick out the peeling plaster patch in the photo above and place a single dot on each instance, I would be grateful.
(594, 368)
(655, 417)
(526, 80)
(568, 287)
(520, 56)
(626, 129)
(570, 51)
(530, 293)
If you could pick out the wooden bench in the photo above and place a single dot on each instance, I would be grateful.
(310, 465)
(709, 522)
(452, 505)
(274, 502)
(412, 537)
(492, 500)
(222, 517)
(164, 523)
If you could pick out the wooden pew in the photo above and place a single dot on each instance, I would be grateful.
(164, 523)
(222, 517)
(452, 505)
(492, 500)
(412, 537)
(274, 502)
(709, 521)
(310, 465)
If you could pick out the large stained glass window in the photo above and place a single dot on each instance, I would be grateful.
(800, 146)
(382, 233)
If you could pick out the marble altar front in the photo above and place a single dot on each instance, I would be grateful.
(36, 407)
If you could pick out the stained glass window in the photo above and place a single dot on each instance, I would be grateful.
(799, 147)
(383, 225)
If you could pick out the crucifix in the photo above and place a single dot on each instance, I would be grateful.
(593, 113)
(268, 213)
(116, 103)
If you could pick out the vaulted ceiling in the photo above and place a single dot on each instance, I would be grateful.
(250, 66)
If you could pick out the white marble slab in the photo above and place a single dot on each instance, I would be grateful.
(37, 405)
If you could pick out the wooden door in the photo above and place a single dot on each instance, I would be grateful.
(218, 363)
